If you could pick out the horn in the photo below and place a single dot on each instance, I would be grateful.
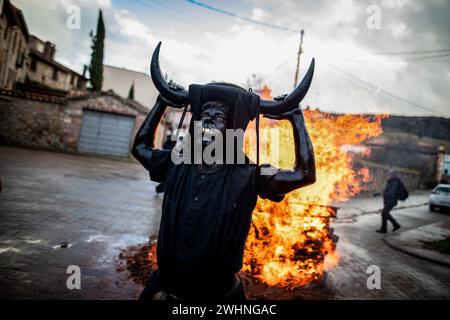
(175, 97)
(272, 107)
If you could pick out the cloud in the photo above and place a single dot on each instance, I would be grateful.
(258, 14)
(72, 45)
(336, 34)
(129, 26)
(221, 48)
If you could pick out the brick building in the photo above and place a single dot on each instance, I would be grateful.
(14, 37)
(46, 71)
(27, 60)
(95, 123)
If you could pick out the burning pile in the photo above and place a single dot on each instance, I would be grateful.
(288, 241)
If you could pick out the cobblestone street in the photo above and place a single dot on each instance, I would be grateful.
(402, 276)
(95, 207)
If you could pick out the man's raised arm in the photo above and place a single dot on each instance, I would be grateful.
(144, 141)
(304, 171)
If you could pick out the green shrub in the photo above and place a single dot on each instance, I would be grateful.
(429, 182)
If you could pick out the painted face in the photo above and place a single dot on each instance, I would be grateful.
(214, 118)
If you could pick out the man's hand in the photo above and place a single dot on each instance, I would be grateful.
(176, 87)
(280, 97)
(289, 115)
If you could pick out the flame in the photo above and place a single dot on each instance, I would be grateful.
(288, 241)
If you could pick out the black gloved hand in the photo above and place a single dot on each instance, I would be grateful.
(281, 97)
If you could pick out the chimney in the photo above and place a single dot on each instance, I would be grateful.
(49, 50)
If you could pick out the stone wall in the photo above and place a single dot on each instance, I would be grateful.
(31, 123)
(432, 127)
(379, 174)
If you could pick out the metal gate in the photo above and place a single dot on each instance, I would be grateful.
(105, 133)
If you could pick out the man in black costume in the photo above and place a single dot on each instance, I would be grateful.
(207, 208)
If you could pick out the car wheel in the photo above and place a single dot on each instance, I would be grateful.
(432, 208)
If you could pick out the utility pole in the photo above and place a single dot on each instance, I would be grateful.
(298, 57)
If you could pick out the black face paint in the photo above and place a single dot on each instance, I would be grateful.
(214, 118)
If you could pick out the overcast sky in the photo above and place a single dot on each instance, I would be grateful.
(352, 73)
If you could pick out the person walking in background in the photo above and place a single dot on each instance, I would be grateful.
(395, 190)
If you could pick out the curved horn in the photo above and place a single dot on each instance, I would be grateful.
(273, 107)
(176, 97)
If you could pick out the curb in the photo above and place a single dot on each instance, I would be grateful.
(363, 213)
(395, 208)
(394, 246)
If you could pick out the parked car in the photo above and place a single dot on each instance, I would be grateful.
(440, 197)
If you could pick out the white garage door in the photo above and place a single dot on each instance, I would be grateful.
(105, 133)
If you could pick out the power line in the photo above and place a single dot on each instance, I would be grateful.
(231, 14)
(278, 67)
(207, 26)
(169, 13)
(380, 90)
(436, 57)
(445, 52)
(428, 57)
(412, 52)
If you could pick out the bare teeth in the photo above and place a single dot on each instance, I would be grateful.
(208, 131)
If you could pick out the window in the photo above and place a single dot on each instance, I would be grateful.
(55, 74)
(40, 47)
(442, 190)
(33, 66)
(20, 60)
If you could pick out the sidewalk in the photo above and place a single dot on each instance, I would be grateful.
(353, 208)
(412, 241)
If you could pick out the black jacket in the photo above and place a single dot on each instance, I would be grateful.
(391, 191)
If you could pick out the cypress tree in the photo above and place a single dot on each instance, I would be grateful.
(131, 92)
(96, 66)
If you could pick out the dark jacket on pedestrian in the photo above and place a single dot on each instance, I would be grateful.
(391, 191)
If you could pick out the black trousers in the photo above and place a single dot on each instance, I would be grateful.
(386, 216)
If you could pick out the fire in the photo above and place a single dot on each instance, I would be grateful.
(288, 241)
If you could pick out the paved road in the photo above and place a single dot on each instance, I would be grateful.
(402, 276)
(100, 206)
